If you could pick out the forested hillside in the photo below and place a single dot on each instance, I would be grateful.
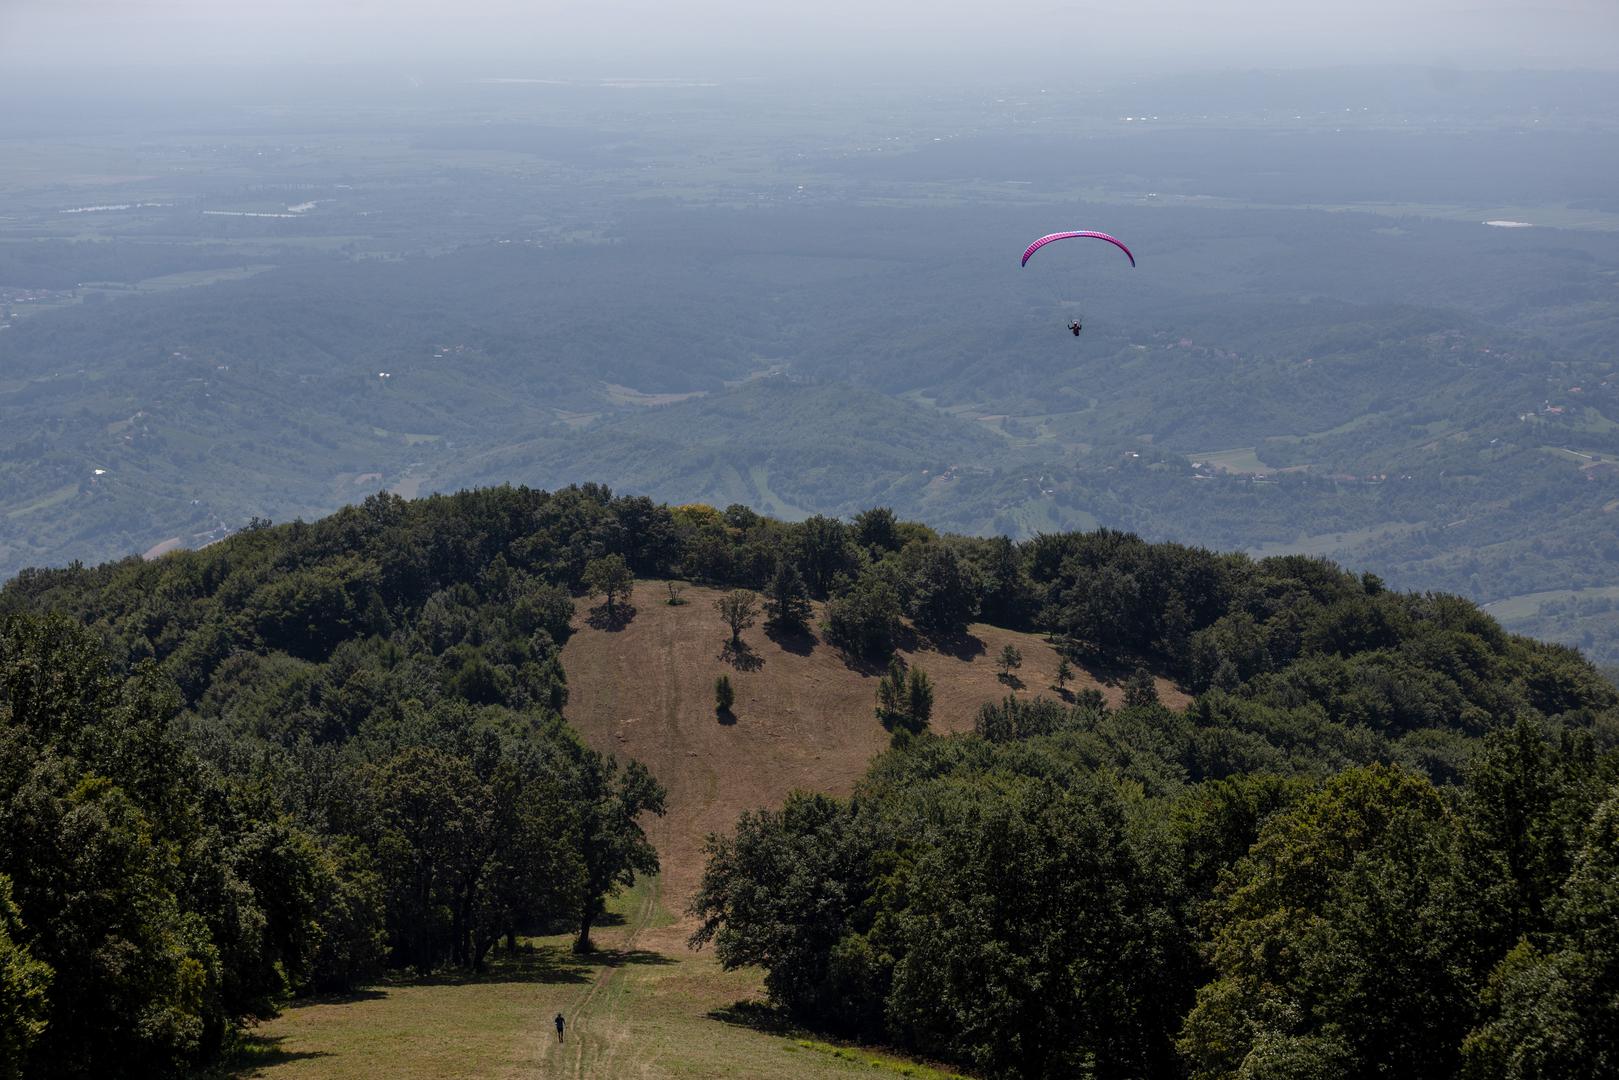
(1357, 329)
(1379, 838)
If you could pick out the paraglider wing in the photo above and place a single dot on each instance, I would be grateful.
(1044, 240)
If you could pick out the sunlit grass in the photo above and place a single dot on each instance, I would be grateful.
(637, 1007)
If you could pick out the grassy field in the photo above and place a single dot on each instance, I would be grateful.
(1330, 545)
(45, 502)
(647, 1006)
(1514, 608)
(642, 1006)
(1239, 460)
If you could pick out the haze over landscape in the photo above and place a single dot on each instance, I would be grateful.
(722, 278)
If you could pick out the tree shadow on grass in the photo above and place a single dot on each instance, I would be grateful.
(962, 646)
(725, 716)
(1011, 680)
(619, 957)
(599, 618)
(343, 997)
(257, 1052)
(740, 655)
(756, 1016)
(542, 964)
(797, 642)
(1109, 669)
(862, 666)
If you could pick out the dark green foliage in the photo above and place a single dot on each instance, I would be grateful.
(824, 551)
(1347, 931)
(307, 611)
(877, 530)
(940, 596)
(362, 766)
(348, 735)
(904, 699)
(1033, 940)
(787, 604)
(610, 578)
(1556, 1007)
(918, 701)
(24, 990)
(891, 702)
(939, 909)
(352, 902)
(1217, 822)
(724, 694)
(787, 892)
(1019, 718)
(612, 847)
(136, 968)
(1527, 802)
(434, 839)
(1297, 906)
(863, 620)
(1140, 690)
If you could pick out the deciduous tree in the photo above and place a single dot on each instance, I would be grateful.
(610, 578)
(738, 608)
(607, 803)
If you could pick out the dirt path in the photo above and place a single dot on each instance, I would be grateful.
(597, 1042)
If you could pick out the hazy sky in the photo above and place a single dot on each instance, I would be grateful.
(1208, 33)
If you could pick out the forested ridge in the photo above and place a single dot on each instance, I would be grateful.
(1379, 839)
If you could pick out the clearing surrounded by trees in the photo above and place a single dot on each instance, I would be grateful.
(646, 1004)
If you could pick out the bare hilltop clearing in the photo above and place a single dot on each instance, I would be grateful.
(643, 688)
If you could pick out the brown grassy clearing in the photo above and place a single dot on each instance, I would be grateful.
(803, 716)
(646, 1006)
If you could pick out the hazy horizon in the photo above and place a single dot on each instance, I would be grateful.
(1153, 36)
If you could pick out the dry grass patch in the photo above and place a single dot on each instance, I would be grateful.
(803, 715)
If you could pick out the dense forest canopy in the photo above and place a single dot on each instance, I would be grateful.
(1379, 838)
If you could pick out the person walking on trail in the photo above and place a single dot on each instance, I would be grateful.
(560, 1024)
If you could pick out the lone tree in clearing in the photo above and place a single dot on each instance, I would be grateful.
(1010, 660)
(724, 694)
(610, 578)
(1065, 673)
(738, 608)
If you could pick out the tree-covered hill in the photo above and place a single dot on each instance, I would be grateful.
(313, 752)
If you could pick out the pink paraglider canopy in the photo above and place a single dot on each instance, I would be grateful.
(1044, 240)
